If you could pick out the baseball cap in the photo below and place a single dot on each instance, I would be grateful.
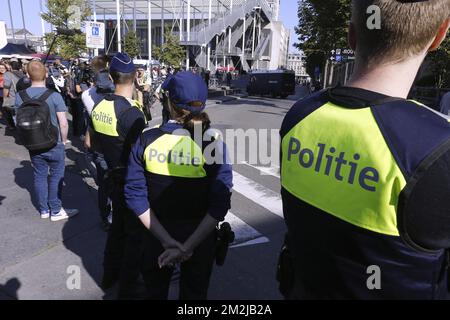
(187, 91)
(122, 63)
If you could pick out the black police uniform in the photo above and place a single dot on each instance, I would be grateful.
(166, 172)
(117, 123)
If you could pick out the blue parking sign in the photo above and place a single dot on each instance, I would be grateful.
(95, 31)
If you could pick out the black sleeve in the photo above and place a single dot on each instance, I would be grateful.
(424, 204)
(130, 125)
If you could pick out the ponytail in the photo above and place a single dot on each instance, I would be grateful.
(190, 120)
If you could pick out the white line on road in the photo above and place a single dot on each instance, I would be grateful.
(244, 234)
(259, 194)
(265, 171)
(251, 242)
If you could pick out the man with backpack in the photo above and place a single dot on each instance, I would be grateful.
(42, 126)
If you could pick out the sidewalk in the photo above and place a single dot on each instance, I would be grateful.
(35, 253)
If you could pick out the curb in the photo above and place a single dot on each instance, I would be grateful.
(231, 98)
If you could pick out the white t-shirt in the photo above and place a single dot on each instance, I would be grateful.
(90, 98)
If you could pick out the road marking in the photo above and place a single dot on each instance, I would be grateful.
(257, 193)
(251, 242)
(265, 171)
(245, 235)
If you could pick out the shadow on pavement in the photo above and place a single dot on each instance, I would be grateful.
(282, 114)
(23, 177)
(83, 234)
(11, 286)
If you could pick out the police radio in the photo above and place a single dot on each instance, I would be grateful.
(225, 236)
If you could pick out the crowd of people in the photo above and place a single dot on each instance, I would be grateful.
(107, 99)
(364, 170)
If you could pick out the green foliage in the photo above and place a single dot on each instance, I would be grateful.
(440, 65)
(67, 46)
(323, 26)
(67, 14)
(132, 44)
(171, 52)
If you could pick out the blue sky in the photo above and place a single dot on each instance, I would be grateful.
(288, 14)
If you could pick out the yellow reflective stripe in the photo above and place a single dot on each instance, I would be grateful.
(337, 160)
(136, 104)
(174, 155)
(104, 118)
(446, 117)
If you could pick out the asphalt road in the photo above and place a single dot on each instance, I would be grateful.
(36, 256)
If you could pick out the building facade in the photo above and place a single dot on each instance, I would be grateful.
(24, 36)
(244, 34)
(296, 62)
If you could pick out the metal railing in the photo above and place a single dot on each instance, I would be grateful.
(204, 32)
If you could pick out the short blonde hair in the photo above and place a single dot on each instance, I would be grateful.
(407, 28)
(36, 71)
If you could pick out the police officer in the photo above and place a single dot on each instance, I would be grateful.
(116, 122)
(180, 188)
(365, 173)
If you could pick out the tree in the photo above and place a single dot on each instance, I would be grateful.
(440, 61)
(171, 52)
(68, 14)
(132, 45)
(322, 27)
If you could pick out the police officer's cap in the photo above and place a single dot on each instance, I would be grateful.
(122, 63)
(187, 91)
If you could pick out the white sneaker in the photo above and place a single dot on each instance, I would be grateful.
(45, 215)
(64, 214)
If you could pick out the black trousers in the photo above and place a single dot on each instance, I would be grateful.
(79, 124)
(8, 115)
(123, 250)
(195, 272)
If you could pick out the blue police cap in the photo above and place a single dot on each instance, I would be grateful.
(187, 91)
(122, 63)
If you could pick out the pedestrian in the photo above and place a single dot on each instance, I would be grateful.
(177, 194)
(116, 123)
(2, 72)
(10, 79)
(102, 87)
(207, 77)
(77, 82)
(142, 84)
(24, 82)
(48, 163)
(365, 172)
(229, 78)
(445, 104)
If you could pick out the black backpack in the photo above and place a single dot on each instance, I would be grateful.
(34, 123)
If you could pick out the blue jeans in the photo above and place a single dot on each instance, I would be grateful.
(48, 171)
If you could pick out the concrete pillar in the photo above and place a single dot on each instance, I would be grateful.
(42, 25)
(149, 18)
(11, 20)
(119, 27)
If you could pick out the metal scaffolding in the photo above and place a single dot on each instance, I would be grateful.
(181, 12)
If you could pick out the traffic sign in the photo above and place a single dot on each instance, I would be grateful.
(95, 35)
